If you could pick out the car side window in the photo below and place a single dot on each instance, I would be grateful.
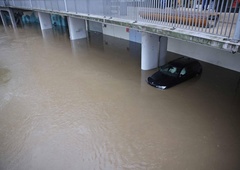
(172, 70)
(183, 72)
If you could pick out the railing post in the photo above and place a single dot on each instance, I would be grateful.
(65, 3)
(31, 4)
(236, 37)
(51, 4)
(75, 6)
(58, 5)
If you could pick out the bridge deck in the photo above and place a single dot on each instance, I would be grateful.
(186, 32)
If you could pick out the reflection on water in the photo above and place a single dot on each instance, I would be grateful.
(85, 104)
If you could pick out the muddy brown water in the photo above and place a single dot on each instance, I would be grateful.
(85, 105)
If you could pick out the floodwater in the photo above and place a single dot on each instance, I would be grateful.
(85, 105)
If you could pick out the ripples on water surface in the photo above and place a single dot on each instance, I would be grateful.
(85, 105)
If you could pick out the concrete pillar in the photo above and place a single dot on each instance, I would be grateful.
(45, 20)
(77, 28)
(3, 19)
(163, 50)
(150, 51)
(11, 15)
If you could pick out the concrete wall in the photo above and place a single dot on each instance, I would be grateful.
(95, 26)
(215, 56)
(135, 36)
(30, 17)
(116, 31)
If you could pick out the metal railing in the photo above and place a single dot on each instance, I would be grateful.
(218, 17)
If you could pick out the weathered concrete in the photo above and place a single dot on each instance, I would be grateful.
(3, 19)
(77, 28)
(163, 50)
(11, 15)
(150, 51)
(45, 20)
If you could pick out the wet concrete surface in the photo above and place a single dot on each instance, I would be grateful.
(85, 105)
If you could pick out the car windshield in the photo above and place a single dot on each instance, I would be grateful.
(170, 70)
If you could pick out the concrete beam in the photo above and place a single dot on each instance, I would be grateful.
(45, 20)
(77, 28)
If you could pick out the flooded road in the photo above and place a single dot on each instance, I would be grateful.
(85, 105)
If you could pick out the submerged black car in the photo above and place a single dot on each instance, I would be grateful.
(175, 72)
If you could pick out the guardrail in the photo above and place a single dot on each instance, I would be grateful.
(218, 17)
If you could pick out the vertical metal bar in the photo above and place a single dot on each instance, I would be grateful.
(159, 11)
(236, 36)
(182, 14)
(185, 15)
(174, 16)
(221, 8)
(200, 18)
(156, 11)
(51, 5)
(164, 11)
(58, 5)
(204, 16)
(194, 16)
(138, 7)
(75, 5)
(170, 11)
(135, 4)
(151, 8)
(168, 8)
(147, 11)
(229, 13)
(88, 8)
(225, 11)
(31, 4)
(231, 26)
(212, 12)
(215, 19)
(45, 4)
(65, 4)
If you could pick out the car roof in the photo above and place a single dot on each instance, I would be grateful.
(182, 62)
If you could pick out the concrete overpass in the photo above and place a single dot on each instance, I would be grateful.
(172, 31)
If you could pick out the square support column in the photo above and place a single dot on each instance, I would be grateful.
(154, 50)
(3, 19)
(45, 20)
(149, 51)
(163, 42)
(77, 28)
(11, 15)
